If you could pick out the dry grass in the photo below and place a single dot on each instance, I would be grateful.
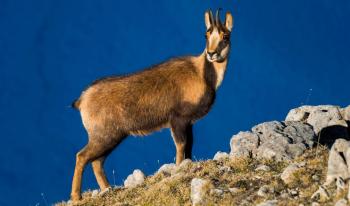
(165, 189)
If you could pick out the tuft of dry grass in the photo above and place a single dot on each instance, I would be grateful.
(238, 173)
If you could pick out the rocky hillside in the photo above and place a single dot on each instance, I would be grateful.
(276, 163)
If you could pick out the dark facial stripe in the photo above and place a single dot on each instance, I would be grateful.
(222, 45)
(210, 74)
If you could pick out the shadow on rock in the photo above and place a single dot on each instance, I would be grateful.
(328, 135)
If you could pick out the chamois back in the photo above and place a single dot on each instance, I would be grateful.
(144, 100)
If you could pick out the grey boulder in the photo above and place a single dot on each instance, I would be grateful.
(273, 140)
(328, 121)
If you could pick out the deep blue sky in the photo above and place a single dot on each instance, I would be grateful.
(51, 50)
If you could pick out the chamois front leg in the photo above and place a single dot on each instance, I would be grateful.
(181, 131)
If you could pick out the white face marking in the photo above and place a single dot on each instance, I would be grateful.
(213, 42)
(224, 52)
(214, 39)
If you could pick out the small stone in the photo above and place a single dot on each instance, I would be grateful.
(288, 173)
(117, 187)
(284, 195)
(234, 190)
(198, 191)
(315, 178)
(315, 204)
(167, 168)
(264, 168)
(215, 191)
(268, 203)
(225, 169)
(134, 179)
(264, 191)
(341, 202)
(94, 193)
(220, 156)
(293, 192)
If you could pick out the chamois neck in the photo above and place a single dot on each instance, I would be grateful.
(213, 72)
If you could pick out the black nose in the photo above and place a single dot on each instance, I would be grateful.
(211, 54)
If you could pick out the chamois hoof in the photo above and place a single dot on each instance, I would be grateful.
(75, 198)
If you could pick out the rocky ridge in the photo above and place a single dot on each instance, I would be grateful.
(276, 163)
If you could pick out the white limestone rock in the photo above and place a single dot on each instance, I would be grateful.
(198, 191)
(264, 168)
(234, 190)
(94, 193)
(135, 179)
(337, 165)
(216, 191)
(221, 155)
(268, 203)
(341, 202)
(273, 140)
(167, 169)
(265, 190)
(244, 144)
(288, 173)
(328, 121)
(346, 113)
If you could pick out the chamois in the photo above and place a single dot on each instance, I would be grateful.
(173, 94)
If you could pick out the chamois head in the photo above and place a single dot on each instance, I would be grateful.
(217, 36)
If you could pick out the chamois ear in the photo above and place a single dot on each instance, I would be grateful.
(229, 21)
(208, 18)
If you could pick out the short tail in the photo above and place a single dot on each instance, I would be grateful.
(76, 104)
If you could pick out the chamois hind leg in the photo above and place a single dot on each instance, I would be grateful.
(82, 159)
(95, 149)
(181, 130)
(189, 142)
(97, 166)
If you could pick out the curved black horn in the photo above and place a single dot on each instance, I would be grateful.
(211, 18)
(218, 22)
